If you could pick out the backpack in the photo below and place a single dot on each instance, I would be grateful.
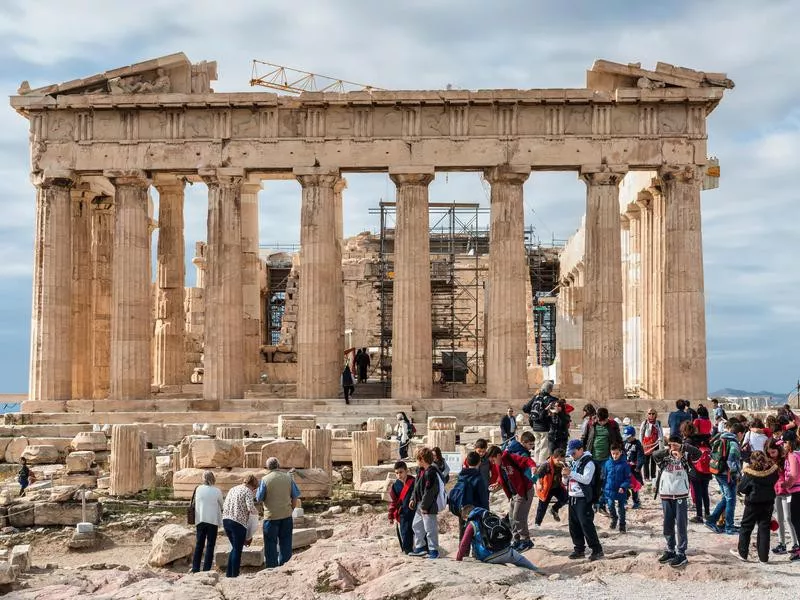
(536, 412)
(412, 429)
(495, 532)
(455, 499)
(441, 497)
(703, 464)
(718, 458)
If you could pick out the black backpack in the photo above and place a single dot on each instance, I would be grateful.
(495, 532)
(536, 409)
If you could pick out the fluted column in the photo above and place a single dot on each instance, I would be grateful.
(412, 342)
(634, 311)
(602, 318)
(644, 203)
(251, 283)
(319, 329)
(224, 336)
(685, 319)
(51, 323)
(102, 253)
(506, 342)
(657, 292)
(170, 363)
(127, 458)
(131, 312)
(82, 293)
(627, 346)
(338, 206)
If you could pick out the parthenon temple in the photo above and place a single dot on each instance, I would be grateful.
(115, 340)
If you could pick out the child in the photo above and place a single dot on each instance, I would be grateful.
(441, 464)
(497, 548)
(514, 473)
(579, 480)
(485, 467)
(673, 487)
(617, 478)
(400, 495)
(758, 488)
(634, 454)
(774, 450)
(791, 483)
(24, 476)
(730, 467)
(470, 490)
(425, 506)
(548, 486)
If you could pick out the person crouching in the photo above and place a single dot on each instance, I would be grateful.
(490, 539)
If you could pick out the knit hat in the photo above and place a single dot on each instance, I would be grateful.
(626, 421)
(629, 431)
(574, 445)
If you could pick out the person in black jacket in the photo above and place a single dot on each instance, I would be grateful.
(508, 425)
(757, 485)
(558, 436)
(538, 411)
(476, 489)
(424, 505)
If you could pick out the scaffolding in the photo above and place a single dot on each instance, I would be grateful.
(457, 243)
(543, 265)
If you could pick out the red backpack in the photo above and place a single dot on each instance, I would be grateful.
(703, 464)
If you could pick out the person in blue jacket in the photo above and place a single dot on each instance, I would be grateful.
(617, 480)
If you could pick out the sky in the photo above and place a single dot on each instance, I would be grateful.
(751, 244)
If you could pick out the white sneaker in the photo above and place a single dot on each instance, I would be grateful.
(735, 552)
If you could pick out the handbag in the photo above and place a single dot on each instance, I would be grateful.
(190, 516)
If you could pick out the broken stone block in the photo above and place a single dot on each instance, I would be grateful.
(79, 461)
(20, 557)
(388, 450)
(324, 533)
(170, 543)
(291, 426)
(442, 423)
(303, 537)
(41, 454)
(82, 540)
(7, 574)
(375, 472)
(66, 513)
(213, 453)
(291, 454)
(14, 449)
(21, 515)
(94, 441)
(62, 493)
(87, 480)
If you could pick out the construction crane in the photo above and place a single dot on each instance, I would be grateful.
(295, 81)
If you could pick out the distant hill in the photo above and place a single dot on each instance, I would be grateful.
(731, 392)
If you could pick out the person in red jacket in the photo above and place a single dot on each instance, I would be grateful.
(400, 495)
(515, 474)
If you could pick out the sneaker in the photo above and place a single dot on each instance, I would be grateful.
(433, 554)
(735, 552)
(779, 549)
(596, 555)
(603, 510)
(732, 531)
(697, 520)
(622, 528)
(418, 552)
(636, 505)
(576, 554)
(794, 556)
(679, 561)
(554, 513)
(613, 523)
(666, 557)
(524, 545)
(795, 548)
(713, 527)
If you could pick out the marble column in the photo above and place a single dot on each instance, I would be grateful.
(127, 458)
(685, 320)
(251, 282)
(319, 329)
(645, 289)
(170, 363)
(82, 293)
(412, 341)
(627, 346)
(634, 306)
(131, 309)
(102, 256)
(51, 323)
(224, 367)
(506, 336)
(657, 293)
(602, 315)
(338, 206)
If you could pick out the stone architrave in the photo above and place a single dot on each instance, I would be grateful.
(365, 453)
(412, 345)
(82, 293)
(602, 315)
(442, 423)
(685, 319)
(51, 320)
(320, 329)
(444, 439)
(127, 456)
(102, 257)
(319, 443)
(131, 308)
(506, 341)
(170, 363)
(251, 284)
(224, 368)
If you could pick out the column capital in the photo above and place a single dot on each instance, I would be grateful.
(515, 174)
(169, 183)
(633, 210)
(340, 185)
(316, 176)
(54, 178)
(412, 175)
(624, 221)
(221, 176)
(681, 173)
(644, 201)
(132, 177)
(603, 174)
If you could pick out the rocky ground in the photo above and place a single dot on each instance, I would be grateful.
(361, 561)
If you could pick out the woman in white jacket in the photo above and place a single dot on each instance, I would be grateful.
(208, 503)
(403, 432)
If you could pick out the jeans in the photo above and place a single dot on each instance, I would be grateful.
(649, 467)
(404, 450)
(206, 538)
(541, 449)
(728, 502)
(676, 516)
(702, 503)
(599, 497)
(556, 492)
(426, 528)
(277, 534)
(760, 515)
(581, 525)
(349, 390)
(405, 533)
(509, 556)
(236, 533)
(783, 506)
(518, 515)
(614, 505)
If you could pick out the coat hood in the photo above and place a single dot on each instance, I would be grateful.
(515, 447)
(753, 473)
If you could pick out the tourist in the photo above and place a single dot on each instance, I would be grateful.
(279, 493)
(485, 467)
(758, 488)
(673, 487)
(24, 475)
(589, 415)
(634, 455)
(652, 435)
(208, 504)
(549, 487)
(579, 480)
(403, 431)
(558, 436)
(774, 450)
(425, 505)
(523, 446)
(791, 481)
(702, 423)
(508, 425)
(515, 474)
(726, 453)
(489, 537)
(755, 438)
(441, 463)
(717, 411)
(348, 386)
(235, 514)
(363, 426)
(597, 440)
(400, 512)
(537, 409)
(470, 490)
(363, 362)
(699, 470)
(678, 416)
(617, 482)
(687, 406)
